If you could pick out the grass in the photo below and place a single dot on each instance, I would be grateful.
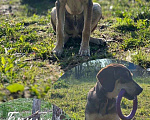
(27, 39)
(24, 107)
(73, 100)
(75, 84)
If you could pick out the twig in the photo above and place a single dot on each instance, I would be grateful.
(36, 113)
(31, 116)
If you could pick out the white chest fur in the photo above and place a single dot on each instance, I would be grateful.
(75, 6)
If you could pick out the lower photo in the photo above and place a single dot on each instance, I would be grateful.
(102, 89)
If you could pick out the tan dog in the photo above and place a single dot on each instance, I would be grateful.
(75, 18)
(101, 103)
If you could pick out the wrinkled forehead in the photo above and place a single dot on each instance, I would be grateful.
(123, 70)
(117, 70)
(124, 73)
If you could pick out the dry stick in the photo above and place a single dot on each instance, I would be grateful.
(36, 113)
(36, 107)
(55, 114)
(31, 116)
(35, 110)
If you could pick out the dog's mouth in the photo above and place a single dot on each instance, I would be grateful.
(132, 97)
(129, 97)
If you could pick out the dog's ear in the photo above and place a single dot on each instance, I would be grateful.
(106, 78)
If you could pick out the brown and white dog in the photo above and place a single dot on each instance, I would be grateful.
(75, 18)
(101, 103)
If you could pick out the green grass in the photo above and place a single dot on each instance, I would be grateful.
(73, 98)
(24, 107)
(27, 39)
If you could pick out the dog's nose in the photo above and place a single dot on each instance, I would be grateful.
(140, 90)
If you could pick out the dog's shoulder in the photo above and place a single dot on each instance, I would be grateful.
(92, 94)
(98, 104)
(92, 102)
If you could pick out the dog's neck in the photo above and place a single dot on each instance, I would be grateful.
(74, 7)
(101, 94)
(100, 91)
(107, 103)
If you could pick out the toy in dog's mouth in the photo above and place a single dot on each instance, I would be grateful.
(118, 108)
(126, 95)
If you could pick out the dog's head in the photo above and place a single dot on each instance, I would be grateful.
(114, 77)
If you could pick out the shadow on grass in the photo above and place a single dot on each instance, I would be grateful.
(70, 57)
(39, 7)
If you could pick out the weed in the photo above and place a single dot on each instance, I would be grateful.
(9, 68)
(60, 84)
(126, 24)
(39, 92)
(132, 43)
(15, 88)
(142, 58)
(57, 95)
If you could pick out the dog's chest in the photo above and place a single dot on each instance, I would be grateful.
(100, 117)
(75, 6)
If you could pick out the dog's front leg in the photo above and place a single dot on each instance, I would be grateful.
(84, 48)
(60, 18)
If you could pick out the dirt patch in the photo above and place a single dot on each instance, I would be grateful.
(8, 9)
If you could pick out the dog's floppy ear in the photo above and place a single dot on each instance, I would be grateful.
(106, 77)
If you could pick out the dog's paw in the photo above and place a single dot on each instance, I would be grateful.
(84, 52)
(57, 51)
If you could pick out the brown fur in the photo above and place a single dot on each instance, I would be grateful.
(75, 18)
(101, 103)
